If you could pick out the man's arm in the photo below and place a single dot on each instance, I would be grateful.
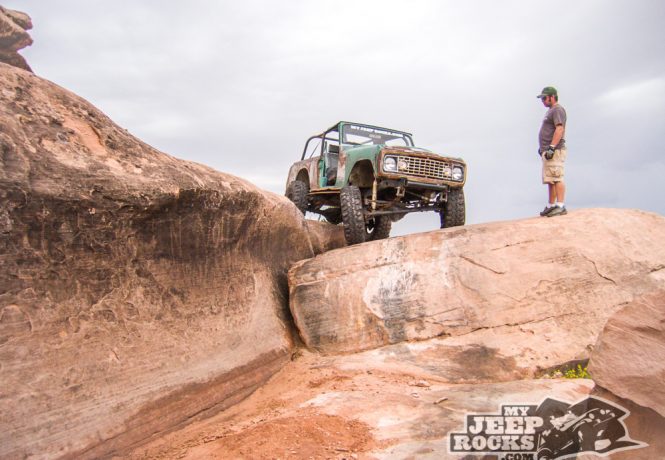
(558, 134)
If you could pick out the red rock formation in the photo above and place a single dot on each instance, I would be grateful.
(509, 298)
(537, 290)
(136, 290)
(13, 37)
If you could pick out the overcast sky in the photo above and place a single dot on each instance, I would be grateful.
(240, 85)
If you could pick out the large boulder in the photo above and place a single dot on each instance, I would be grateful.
(136, 290)
(629, 358)
(14, 36)
(538, 290)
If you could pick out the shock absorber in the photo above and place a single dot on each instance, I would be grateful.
(375, 188)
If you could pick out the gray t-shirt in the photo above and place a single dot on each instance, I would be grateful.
(555, 116)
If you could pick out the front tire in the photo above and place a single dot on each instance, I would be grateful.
(356, 230)
(453, 213)
(297, 192)
(353, 218)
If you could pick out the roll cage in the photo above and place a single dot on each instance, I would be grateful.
(375, 134)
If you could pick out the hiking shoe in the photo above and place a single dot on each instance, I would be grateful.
(557, 211)
(547, 210)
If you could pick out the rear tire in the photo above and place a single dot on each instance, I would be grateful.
(297, 192)
(353, 218)
(453, 213)
(381, 230)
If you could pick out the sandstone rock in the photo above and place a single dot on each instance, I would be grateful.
(325, 236)
(403, 420)
(136, 290)
(373, 410)
(629, 358)
(549, 284)
(13, 37)
(320, 407)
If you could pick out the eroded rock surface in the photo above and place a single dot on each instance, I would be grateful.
(540, 290)
(397, 401)
(629, 358)
(14, 37)
(393, 413)
(136, 290)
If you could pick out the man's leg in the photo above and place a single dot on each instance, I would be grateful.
(552, 189)
(560, 192)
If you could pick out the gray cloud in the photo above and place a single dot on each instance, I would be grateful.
(240, 85)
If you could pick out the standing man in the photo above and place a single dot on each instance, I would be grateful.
(553, 151)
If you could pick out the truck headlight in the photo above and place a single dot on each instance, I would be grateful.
(402, 165)
(390, 164)
(458, 173)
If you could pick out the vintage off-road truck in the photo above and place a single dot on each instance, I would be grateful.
(368, 177)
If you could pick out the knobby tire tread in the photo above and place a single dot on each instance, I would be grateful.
(297, 193)
(352, 215)
(382, 227)
(454, 210)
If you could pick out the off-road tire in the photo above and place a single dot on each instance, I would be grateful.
(351, 203)
(454, 210)
(381, 230)
(297, 192)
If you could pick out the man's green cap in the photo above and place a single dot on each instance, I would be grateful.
(547, 91)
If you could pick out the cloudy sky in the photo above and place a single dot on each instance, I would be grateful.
(239, 86)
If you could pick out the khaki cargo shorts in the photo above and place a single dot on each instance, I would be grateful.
(553, 169)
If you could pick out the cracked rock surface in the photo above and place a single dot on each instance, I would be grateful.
(137, 291)
(538, 290)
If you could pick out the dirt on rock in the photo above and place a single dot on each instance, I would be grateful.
(303, 435)
(325, 408)
(275, 422)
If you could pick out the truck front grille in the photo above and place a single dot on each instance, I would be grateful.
(425, 167)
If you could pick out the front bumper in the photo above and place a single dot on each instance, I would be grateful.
(405, 183)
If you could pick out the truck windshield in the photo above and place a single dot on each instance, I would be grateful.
(368, 135)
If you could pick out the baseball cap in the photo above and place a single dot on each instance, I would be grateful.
(547, 91)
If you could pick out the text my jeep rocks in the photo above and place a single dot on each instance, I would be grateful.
(367, 177)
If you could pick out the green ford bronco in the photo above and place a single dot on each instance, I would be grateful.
(368, 177)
